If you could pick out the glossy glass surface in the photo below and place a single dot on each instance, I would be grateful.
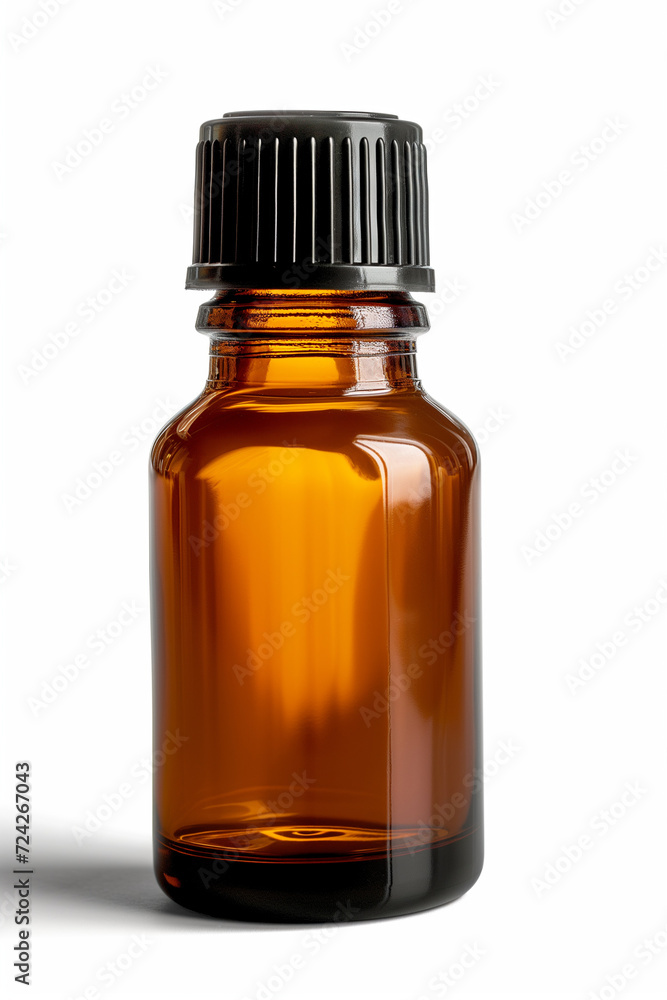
(316, 619)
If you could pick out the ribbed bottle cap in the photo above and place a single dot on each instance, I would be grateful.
(311, 199)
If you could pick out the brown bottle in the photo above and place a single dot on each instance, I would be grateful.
(315, 546)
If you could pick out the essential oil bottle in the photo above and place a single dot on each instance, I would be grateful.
(315, 545)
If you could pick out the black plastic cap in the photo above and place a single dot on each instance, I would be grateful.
(311, 199)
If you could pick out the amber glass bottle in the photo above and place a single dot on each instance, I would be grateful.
(315, 548)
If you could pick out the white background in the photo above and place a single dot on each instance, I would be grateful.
(548, 427)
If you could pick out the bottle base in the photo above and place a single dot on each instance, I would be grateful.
(223, 884)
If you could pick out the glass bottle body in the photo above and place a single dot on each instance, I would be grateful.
(315, 620)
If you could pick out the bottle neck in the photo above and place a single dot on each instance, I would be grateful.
(324, 343)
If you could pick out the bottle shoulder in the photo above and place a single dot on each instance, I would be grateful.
(454, 426)
(170, 439)
(219, 422)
